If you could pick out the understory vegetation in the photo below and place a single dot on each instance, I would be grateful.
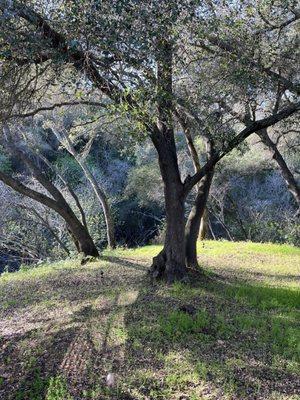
(252, 204)
(230, 333)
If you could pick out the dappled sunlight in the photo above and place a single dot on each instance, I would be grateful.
(223, 336)
(149, 200)
(80, 310)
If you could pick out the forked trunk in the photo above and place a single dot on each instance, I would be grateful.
(194, 220)
(169, 264)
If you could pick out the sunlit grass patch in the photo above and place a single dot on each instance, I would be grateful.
(39, 270)
(179, 371)
(272, 264)
(265, 297)
(228, 247)
(57, 389)
(145, 252)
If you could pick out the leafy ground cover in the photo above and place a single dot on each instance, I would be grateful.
(233, 333)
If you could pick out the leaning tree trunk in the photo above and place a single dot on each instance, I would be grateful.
(285, 171)
(194, 220)
(83, 241)
(101, 196)
(80, 234)
(109, 221)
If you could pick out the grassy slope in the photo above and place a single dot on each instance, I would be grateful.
(233, 334)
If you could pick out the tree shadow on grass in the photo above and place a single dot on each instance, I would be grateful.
(28, 363)
(124, 263)
(212, 337)
(68, 285)
(64, 358)
(39, 347)
(216, 337)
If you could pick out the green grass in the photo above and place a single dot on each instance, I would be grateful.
(57, 389)
(39, 271)
(232, 334)
(225, 247)
(145, 252)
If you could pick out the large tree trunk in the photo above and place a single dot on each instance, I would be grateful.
(174, 241)
(286, 173)
(170, 264)
(194, 220)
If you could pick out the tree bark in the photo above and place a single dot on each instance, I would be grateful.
(285, 171)
(203, 225)
(170, 264)
(194, 220)
(198, 211)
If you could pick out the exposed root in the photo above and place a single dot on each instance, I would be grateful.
(158, 267)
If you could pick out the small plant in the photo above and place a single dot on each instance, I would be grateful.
(179, 324)
(201, 369)
(57, 389)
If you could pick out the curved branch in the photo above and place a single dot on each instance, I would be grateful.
(26, 191)
(58, 105)
(255, 126)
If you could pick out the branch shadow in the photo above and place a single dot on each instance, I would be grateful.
(52, 347)
(228, 358)
(124, 263)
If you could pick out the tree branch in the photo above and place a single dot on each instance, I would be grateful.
(58, 105)
(235, 50)
(251, 128)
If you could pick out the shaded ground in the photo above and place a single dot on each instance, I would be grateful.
(234, 334)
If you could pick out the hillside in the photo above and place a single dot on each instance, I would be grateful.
(232, 333)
